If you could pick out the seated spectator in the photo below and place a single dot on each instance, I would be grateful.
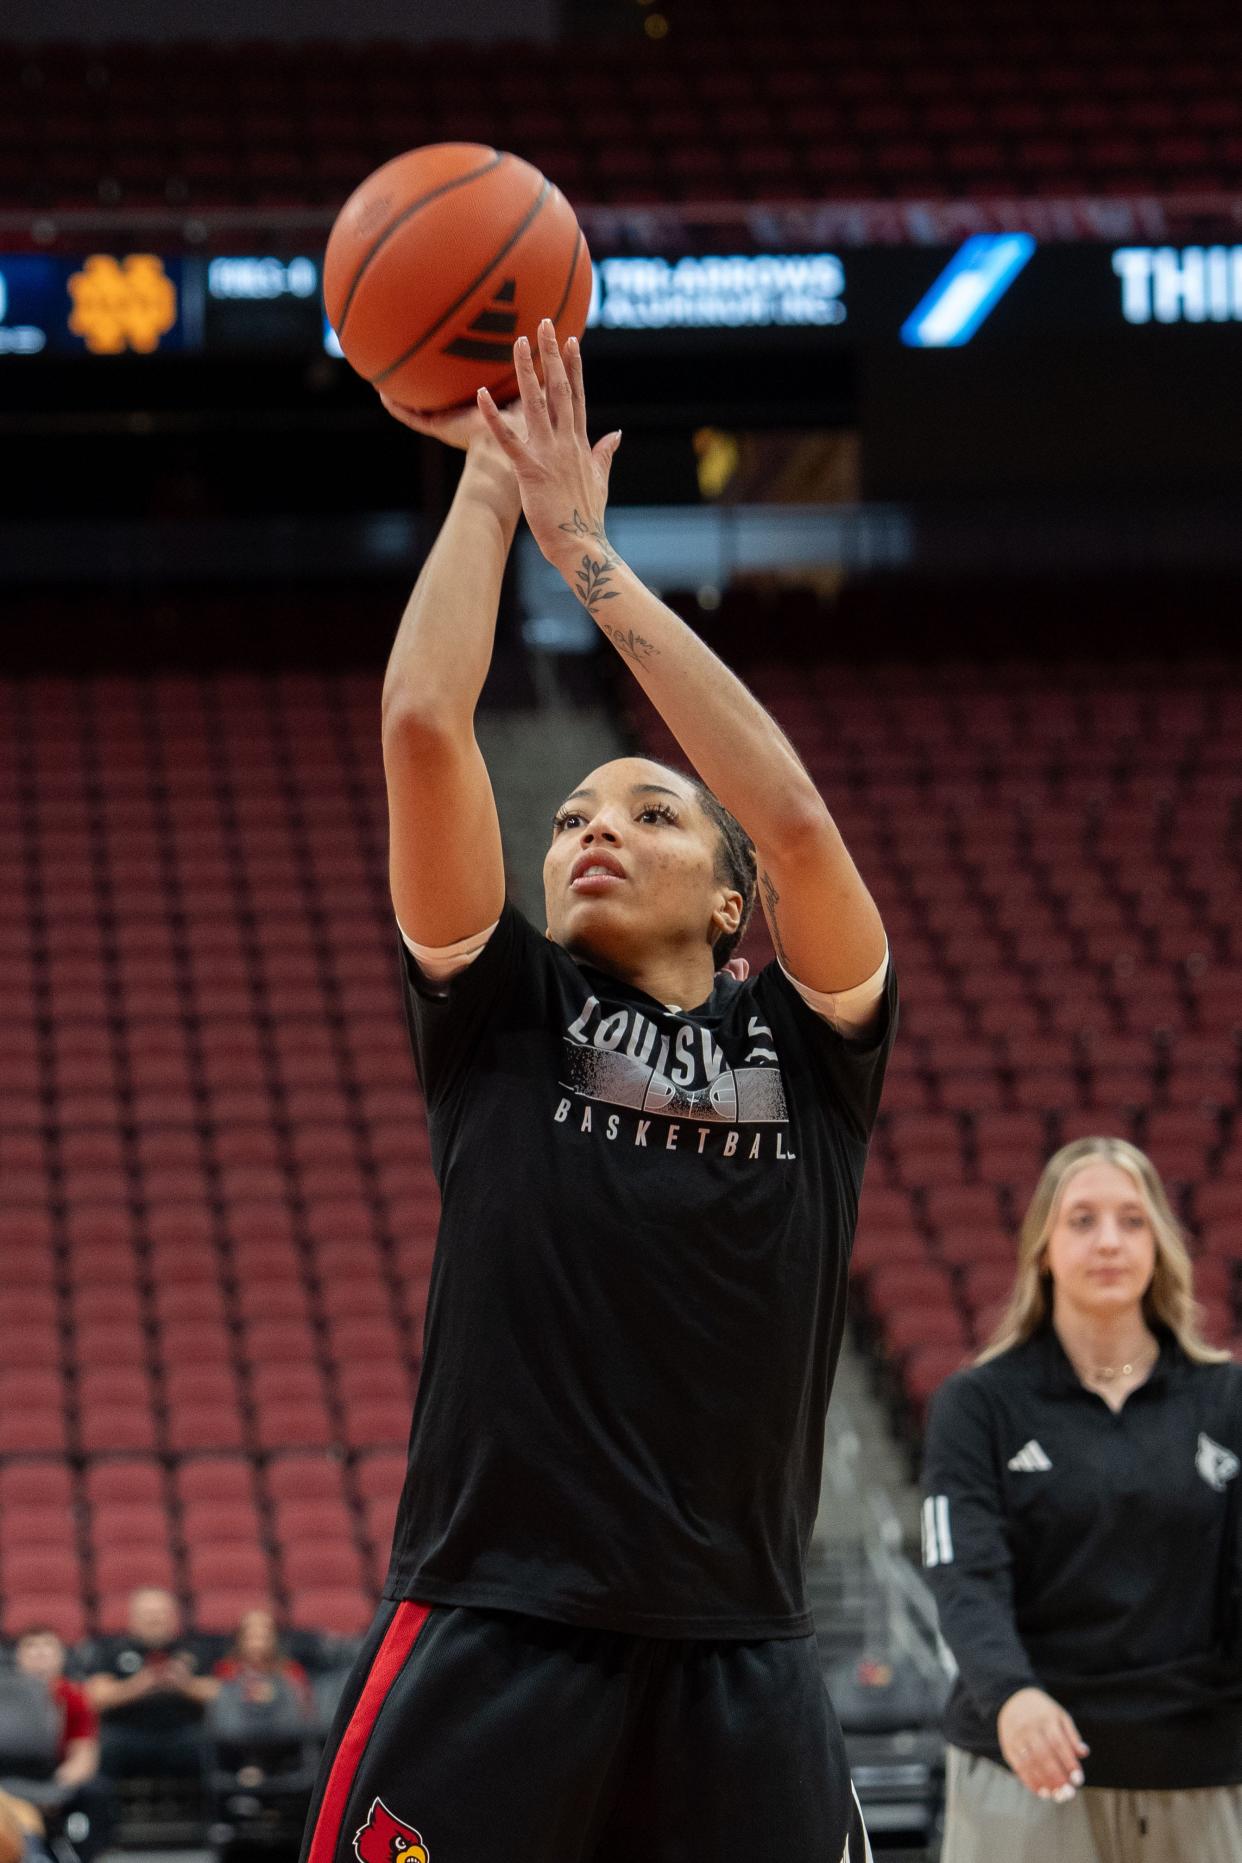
(21, 1832)
(71, 1786)
(258, 1669)
(264, 1754)
(150, 1694)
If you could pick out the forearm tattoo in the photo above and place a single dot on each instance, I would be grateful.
(593, 574)
(771, 900)
(578, 527)
(634, 646)
(592, 579)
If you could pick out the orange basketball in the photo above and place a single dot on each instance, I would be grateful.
(440, 260)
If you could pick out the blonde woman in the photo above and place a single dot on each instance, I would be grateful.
(1080, 1534)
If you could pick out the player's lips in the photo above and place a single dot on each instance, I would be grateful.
(595, 873)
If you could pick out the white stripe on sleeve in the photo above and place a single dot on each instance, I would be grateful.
(942, 1529)
(931, 1552)
(937, 1536)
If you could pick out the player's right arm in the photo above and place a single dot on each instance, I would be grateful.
(446, 868)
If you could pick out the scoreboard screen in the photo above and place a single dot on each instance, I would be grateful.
(992, 289)
(102, 304)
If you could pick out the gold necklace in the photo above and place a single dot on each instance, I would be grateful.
(1108, 1374)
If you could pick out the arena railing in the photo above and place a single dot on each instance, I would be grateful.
(674, 226)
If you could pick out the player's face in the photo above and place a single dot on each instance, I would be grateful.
(1102, 1249)
(632, 867)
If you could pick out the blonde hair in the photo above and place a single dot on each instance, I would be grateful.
(1169, 1300)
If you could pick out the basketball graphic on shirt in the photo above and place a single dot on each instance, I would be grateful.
(626, 1059)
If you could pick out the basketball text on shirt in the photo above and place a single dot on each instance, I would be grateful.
(626, 1059)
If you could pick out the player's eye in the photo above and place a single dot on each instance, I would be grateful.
(660, 810)
(565, 819)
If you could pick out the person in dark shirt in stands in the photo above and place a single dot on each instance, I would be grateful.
(150, 1694)
(1080, 1534)
(595, 1640)
(81, 1797)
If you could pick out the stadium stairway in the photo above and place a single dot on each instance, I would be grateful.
(857, 1408)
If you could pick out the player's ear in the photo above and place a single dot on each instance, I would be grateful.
(728, 914)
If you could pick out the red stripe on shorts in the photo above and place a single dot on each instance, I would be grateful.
(390, 1659)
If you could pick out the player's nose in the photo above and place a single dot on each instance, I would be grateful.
(602, 826)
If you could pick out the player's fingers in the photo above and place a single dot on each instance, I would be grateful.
(534, 401)
(573, 368)
(1080, 1745)
(404, 415)
(1073, 1747)
(1048, 1765)
(555, 379)
(500, 428)
(603, 453)
(1063, 1753)
(1031, 1763)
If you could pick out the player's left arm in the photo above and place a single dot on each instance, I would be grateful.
(825, 925)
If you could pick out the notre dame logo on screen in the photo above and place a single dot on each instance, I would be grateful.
(121, 304)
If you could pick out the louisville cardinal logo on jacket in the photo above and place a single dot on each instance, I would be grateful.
(385, 1839)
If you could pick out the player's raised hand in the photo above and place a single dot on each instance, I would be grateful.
(463, 428)
(563, 479)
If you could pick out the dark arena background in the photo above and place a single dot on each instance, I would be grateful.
(923, 322)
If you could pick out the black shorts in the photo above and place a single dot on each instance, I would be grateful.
(468, 1736)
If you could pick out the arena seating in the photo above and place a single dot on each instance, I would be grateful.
(216, 1210)
(1058, 857)
(216, 1207)
(910, 98)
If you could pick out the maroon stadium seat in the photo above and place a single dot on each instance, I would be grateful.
(32, 1524)
(220, 1609)
(227, 1565)
(207, 1425)
(128, 1523)
(125, 1568)
(311, 1564)
(40, 1568)
(218, 1522)
(380, 1474)
(124, 1481)
(303, 1477)
(106, 1428)
(370, 1422)
(214, 1480)
(59, 1609)
(342, 1611)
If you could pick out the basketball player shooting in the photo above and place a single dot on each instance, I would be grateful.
(594, 1644)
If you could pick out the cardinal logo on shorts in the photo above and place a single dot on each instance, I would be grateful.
(1216, 1465)
(386, 1839)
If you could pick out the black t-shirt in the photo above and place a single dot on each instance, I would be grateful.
(124, 1656)
(1095, 1554)
(638, 1293)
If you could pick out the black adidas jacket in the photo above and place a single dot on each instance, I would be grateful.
(1095, 1555)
